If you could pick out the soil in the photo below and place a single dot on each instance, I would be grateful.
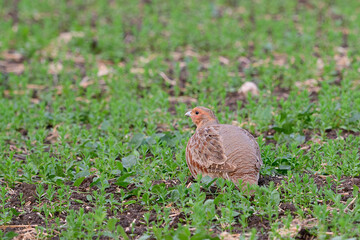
(333, 134)
(131, 217)
(233, 98)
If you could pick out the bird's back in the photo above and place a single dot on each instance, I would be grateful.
(238, 142)
(242, 151)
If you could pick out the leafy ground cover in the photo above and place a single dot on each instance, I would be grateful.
(93, 133)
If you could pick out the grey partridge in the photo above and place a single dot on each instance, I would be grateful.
(221, 150)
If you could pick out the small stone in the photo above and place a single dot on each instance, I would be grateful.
(249, 87)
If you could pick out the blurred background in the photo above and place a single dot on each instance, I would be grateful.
(287, 70)
(93, 133)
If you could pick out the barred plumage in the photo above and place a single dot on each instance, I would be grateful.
(220, 150)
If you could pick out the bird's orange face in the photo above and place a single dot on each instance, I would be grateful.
(201, 115)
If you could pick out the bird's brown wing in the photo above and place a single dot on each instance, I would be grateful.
(205, 152)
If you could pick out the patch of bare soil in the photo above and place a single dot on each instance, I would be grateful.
(232, 100)
(334, 134)
(11, 62)
(281, 93)
(268, 136)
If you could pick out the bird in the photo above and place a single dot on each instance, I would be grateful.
(221, 150)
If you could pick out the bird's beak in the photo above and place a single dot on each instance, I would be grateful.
(188, 114)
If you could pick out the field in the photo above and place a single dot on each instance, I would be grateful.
(93, 133)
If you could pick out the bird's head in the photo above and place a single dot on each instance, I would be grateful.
(202, 116)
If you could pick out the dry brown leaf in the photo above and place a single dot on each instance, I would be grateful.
(305, 147)
(320, 64)
(85, 82)
(35, 100)
(66, 37)
(55, 68)
(229, 236)
(232, 74)
(177, 56)
(262, 62)
(121, 64)
(11, 67)
(162, 127)
(311, 85)
(279, 59)
(14, 148)
(103, 69)
(8, 93)
(57, 44)
(27, 233)
(182, 64)
(342, 61)
(10, 191)
(53, 136)
(12, 56)
(81, 99)
(245, 124)
(147, 59)
(244, 62)
(224, 60)
(182, 99)
(240, 10)
(59, 89)
(190, 53)
(292, 231)
(167, 79)
(175, 211)
(35, 87)
(137, 70)
(295, 226)
(75, 58)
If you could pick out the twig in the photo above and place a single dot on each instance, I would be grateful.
(17, 226)
(167, 79)
(347, 207)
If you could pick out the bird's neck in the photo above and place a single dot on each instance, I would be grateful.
(205, 123)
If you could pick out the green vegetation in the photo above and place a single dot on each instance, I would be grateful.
(93, 133)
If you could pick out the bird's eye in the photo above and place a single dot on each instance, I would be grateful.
(197, 113)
